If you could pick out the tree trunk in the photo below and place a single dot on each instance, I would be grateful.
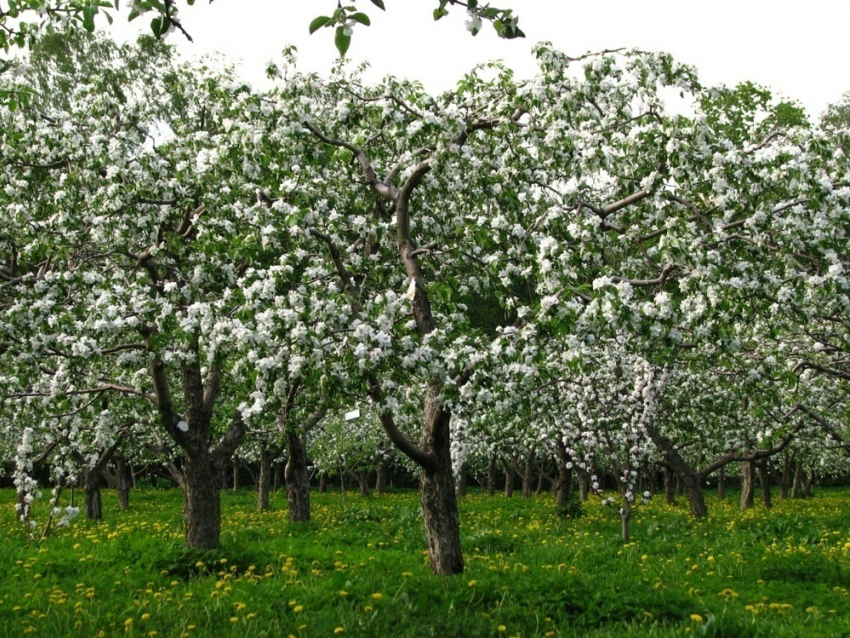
(461, 481)
(510, 477)
(201, 502)
(564, 482)
(491, 476)
(363, 482)
(91, 482)
(264, 480)
(785, 481)
(381, 478)
(797, 481)
(764, 479)
(810, 482)
(122, 484)
(721, 483)
(437, 490)
(526, 474)
(235, 475)
(692, 483)
(680, 485)
(583, 484)
(323, 482)
(747, 484)
(278, 475)
(541, 478)
(669, 486)
(297, 479)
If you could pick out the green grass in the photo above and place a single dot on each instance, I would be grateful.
(360, 565)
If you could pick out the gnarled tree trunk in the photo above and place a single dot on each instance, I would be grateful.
(437, 490)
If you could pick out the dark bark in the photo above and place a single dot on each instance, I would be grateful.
(669, 486)
(264, 480)
(235, 475)
(461, 481)
(323, 483)
(747, 484)
(510, 477)
(201, 502)
(381, 478)
(491, 476)
(809, 483)
(278, 475)
(363, 482)
(583, 484)
(785, 480)
(122, 486)
(764, 479)
(526, 474)
(721, 483)
(564, 482)
(797, 488)
(92, 483)
(437, 489)
(297, 479)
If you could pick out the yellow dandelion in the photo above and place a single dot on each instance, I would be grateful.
(339, 630)
(501, 628)
(298, 609)
(145, 616)
(377, 596)
(234, 619)
(696, 617)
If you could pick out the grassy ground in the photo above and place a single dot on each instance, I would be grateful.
(359, 569)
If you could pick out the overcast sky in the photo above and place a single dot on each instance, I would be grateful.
(801, 50)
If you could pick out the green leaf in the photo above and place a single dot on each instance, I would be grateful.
(342, 41)
(440, 13)
(160, 25)
(379, 4)
(362, 18)
(13, 105)
(318, 23)
(89, 13)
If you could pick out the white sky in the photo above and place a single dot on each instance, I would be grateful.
(799, 49)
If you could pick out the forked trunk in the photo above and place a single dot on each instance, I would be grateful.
(297, 479)
(747, 484)
(201, 502)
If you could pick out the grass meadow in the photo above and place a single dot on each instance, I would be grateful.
(359, 569)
